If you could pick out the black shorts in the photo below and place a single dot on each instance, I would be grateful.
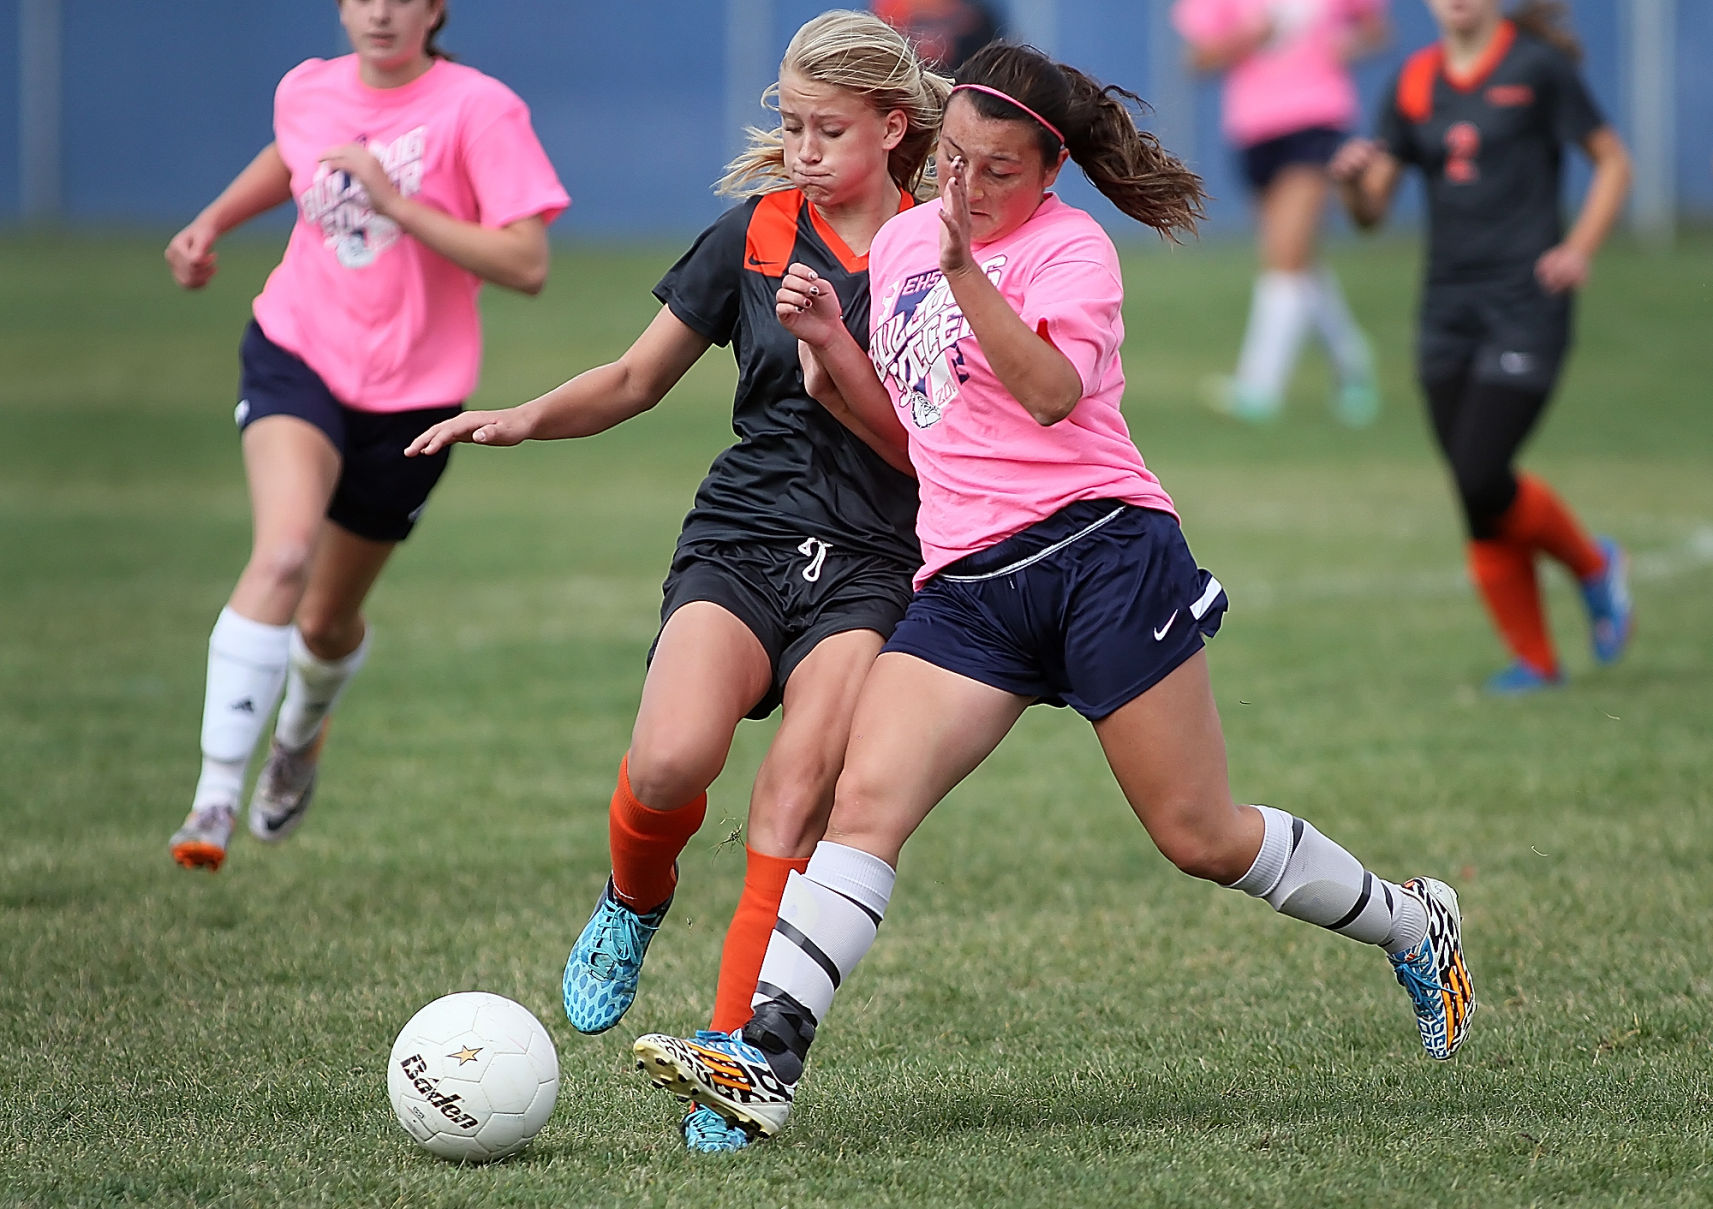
(1509, 332)
(790, 595)
(1089, 608)
(380, 492)
(1260, 162)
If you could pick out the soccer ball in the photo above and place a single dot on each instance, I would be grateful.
(473, 1077)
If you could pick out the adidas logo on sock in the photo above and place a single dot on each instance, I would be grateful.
(243, 706)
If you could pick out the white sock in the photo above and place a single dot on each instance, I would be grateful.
(1301, 873)
(246, 671)
(1279, 314)
(828, 918)
(1338, 328)
(313, 687)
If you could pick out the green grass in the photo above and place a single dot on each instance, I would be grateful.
(1052, 1016)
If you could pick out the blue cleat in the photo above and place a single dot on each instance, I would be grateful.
(1434, 972)
(1520, 679)
(723, 1073)
(1611, 614)
(707, 1132)
(602, 972)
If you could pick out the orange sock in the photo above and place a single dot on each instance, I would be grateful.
(1504, 572)
(746, 939)
(646, 842)
(1538, 519)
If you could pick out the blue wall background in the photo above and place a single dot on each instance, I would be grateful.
(163, 103)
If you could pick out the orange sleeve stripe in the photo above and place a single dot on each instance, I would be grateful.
(1415, 83)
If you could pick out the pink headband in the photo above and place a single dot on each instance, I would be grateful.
(1009, 99)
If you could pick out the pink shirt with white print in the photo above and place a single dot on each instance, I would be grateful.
(388, 324)
(986, 469)
(1297, 78)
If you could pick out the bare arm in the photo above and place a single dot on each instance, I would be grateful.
(836, 372)
(1367, 176)
(592, 402)
(1367, 37)
(1566, 266)
(514, 256)
(1033, 372)
(263, 184)
(1223, 53)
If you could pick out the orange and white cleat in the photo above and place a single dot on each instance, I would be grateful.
(201, 842)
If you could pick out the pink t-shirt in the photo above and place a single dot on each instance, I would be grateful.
(1298, 78)
(986, 468)
(388, 324)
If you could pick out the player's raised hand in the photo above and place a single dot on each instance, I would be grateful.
(506, 427)
(955, 253)
(1351, 160)
(190, 255)
(807, 306)
(357, 162)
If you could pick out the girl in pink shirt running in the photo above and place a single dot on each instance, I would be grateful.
(1288, 103)
(1056, 572)
(416, 180)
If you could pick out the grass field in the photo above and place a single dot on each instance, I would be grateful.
(1052, 1016)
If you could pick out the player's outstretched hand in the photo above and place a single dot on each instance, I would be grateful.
(477, 427)
(807, 306)
(1351, 160)
(190, 255)
(1561, 269)
(955, 253)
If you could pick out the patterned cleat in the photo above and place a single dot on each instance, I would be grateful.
(605, 965)
(1434, 972)
(284, 789)
(201, 842)
(1520, 679)
(707, 1132)
(1611, 614)
(722, 1072)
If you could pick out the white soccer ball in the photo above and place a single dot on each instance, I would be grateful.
(473, 1077)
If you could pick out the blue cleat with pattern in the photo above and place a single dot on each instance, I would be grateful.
(605, 965)
(1519, 680)
(1434, 972)
(1611, 614)
(707, 1132)
(721, 1072)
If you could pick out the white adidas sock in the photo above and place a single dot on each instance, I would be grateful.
(313, 687)
(1301, 873)
(1343, 336)
(828, 918)
(1279, 315)
(246, 671)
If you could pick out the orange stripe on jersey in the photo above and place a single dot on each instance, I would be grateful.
(835, 242)
(1415, 83)
(772, 233)
(1490, 58)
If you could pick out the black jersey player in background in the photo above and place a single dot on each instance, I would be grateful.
(1485, 114)
(795, 562)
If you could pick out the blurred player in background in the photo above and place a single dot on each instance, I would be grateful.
(1485, 114)
(794, 564)
(416, 180)
(1054, 571)
(945, 32)
(1288, 104)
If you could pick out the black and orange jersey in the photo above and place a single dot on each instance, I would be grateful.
(795, 471)
(1490, 145)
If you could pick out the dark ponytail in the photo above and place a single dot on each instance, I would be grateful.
(433, 45)
(1549, 21)
(1126, 163)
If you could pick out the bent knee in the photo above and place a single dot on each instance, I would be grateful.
(666, 774)
(1206, 849)
(281, 564)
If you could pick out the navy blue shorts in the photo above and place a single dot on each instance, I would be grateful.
(380, 492)
(791, 595)
(1261, 162)
(1089, 608)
